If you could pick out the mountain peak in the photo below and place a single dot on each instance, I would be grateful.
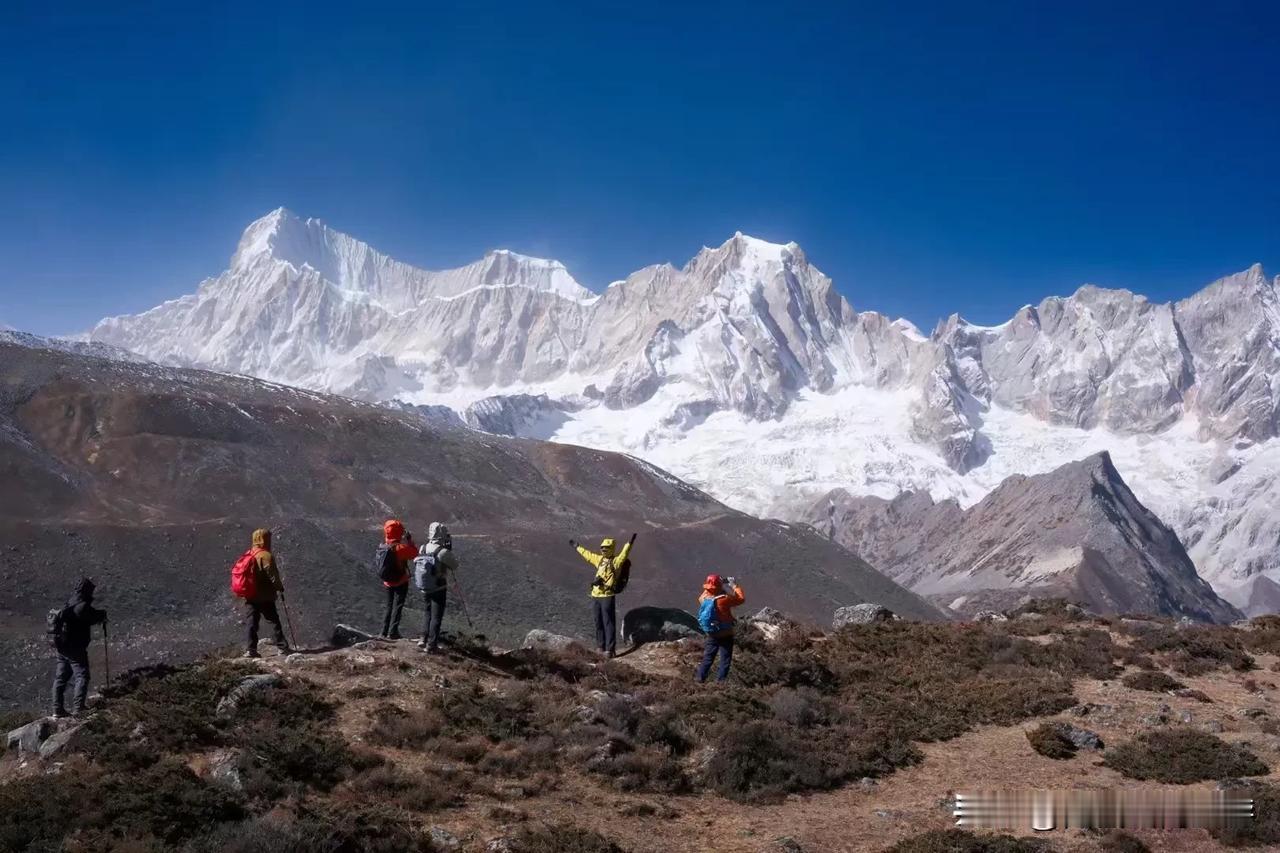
(280, 234)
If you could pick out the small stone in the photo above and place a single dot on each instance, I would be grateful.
(867, 782)
(787, 844)
(1185, 716)
(1213, 726)
(1252, 713)
(224, 770)
(499, 845)
(540, 639)
(443, 839)
(252, 684)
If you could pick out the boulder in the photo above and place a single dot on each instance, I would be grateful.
(862, 614)
(253, 684)
(58, 741)
(658, 624)
(27, 739)
(547, 641)
(345, 635)
(989, 616)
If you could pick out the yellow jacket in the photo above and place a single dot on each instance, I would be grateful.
(606, 574)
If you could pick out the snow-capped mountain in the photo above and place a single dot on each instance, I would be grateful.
(748, 374)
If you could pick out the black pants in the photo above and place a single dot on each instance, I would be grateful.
(433, 614)
(395, 608)
(71, 662)
(724, 647)
(606, 611)
(264, 610)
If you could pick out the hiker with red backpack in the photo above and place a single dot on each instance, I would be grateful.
(69, 630)
(256, 579)
(392, 560)
(612, 573)
(715, 617)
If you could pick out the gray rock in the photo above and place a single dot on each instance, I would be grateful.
(658, 624)
(547, 641)
(1213, 726)
(861, 614)
(787, 844)
(254, 683)
(27, 739)
(443, 839)
(59, 740)
(769, 616)
(345, 635)
(989, 616)
(499, 845)
(1252, 713)
(1082, 738)
(1185, 716)
(224, 770)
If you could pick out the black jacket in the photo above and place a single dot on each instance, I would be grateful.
(78, 621)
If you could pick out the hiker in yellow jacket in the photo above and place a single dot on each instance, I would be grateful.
(603, 589)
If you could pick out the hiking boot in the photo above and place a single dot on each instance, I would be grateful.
(432, 650)
(610, 655)
(252, 654)
(60, 714)
(394, 635)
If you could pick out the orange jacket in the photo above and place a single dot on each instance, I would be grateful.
(725, 602)
(393, 531)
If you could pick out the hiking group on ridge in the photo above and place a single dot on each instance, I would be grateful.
(256, 579)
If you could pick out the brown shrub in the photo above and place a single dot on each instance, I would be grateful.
(1216, 645)
(1265, 826)
(1182, 756)
(419, 792)
(1154, 681)
(1048, 740)
(402, 729)
(960, 841)
(1118, 841)
(561, 838)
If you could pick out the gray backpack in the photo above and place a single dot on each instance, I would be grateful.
(428, 572)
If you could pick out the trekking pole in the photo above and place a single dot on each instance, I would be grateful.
(106, 652)
(462, 599)
(288, 620)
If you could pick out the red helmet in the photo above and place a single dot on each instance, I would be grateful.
(712, 583)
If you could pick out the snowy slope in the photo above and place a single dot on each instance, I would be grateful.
(746, 373)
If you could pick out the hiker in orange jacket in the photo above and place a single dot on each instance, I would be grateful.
(262, 605)
(715, 615)
(400, 541)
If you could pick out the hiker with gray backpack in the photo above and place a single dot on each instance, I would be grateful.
(432, 572)
(69, 629)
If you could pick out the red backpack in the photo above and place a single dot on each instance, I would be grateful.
(244, 575)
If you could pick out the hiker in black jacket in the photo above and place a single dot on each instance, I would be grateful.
(71, 641)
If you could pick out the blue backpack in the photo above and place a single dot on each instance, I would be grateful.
(708, 619)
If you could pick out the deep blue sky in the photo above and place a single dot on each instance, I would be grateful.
(930, 157)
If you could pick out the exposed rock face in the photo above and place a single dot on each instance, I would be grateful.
(1077, 532)
(522, 415)
(540, 639)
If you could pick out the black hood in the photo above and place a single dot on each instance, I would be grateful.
(84, 590)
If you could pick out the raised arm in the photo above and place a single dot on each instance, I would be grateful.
(590, 556)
